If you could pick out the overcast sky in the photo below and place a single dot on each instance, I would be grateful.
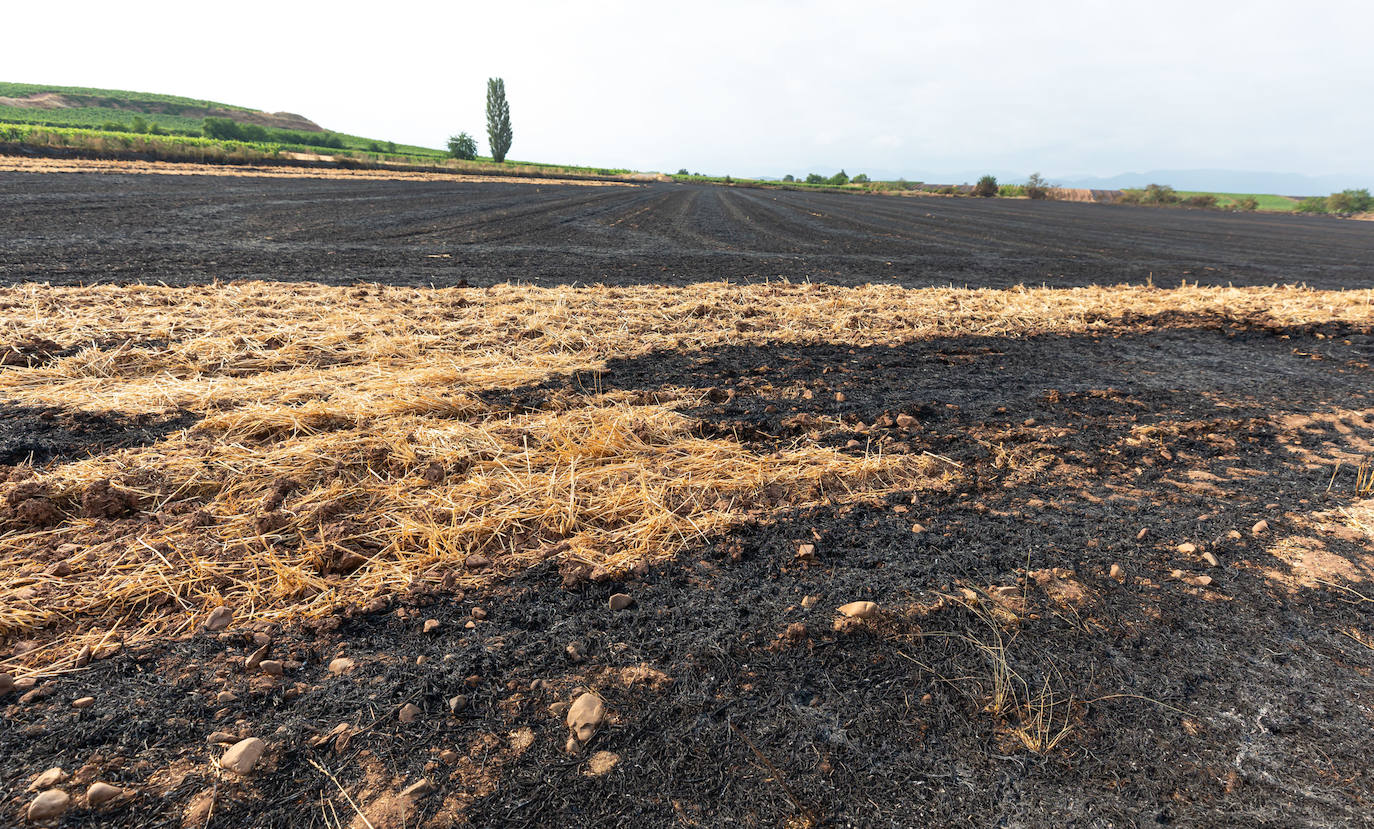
(767, 88)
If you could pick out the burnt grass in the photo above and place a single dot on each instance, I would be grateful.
(1241, 703)
(732, 701)
(89, 228)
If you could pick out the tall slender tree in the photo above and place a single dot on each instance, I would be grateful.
(498, 119)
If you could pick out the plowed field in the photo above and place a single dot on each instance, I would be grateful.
(389, 474)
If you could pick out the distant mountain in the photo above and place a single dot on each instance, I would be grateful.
(1223, 181)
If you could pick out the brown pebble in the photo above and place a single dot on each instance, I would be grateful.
(585, 716)
(1144, 531)
(476, 562)
(225, 697)
(448, 756)
(619, 601)
(431, 625)
(469, 624)
(219, 618)
(340, 665)
(858, 610)
(222, 738)
(409, 712)
(810, 601)
(1260, 528)
(479, 614)
(807, 552)
(1115, 572)
(1211, 560)
(839, 397)
(918, 528)
(84, 702)
(49, 805)
(254, 660)
(1187, 548)
(6, 684)
(418, 789)
(243, 755)
(272, 667)
(98, 794)
(457, 703)
(52, 777)
(83, 656)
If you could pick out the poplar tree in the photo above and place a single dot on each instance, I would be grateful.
(498, 119)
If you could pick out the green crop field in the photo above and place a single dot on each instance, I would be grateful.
(1267, 201)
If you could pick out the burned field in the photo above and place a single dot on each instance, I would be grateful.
(1117, 538)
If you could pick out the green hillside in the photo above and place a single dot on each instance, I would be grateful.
(117, 110)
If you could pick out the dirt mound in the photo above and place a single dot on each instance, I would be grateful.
(39, 100)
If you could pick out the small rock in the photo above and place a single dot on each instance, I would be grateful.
(918, 528)
(469, 624)
(839, 397)
(1144, 531)
(575, 652)
(84, 702)
(619, 601)
(559, 709)
(585, 716)
(6, 684)
(905, 421)
(49, 805)
(810, 601)
(448, 756)
(457, 703)
(572, 745)
(858, 610)
(476, 562)
(83, 656)
(222, 738)
(418, 789)
(1211, 560)
(340, 665)
(479, 614)
(225, 697)
(219, 618)
(1115, 572)
(272, 667)
(48, 779)
(409, 712)
(243, 756)
(807, 552)
(1260, 528)
(101, 793)
(431, 625)
(1187, 548)
(1234, 535)
(255, 658)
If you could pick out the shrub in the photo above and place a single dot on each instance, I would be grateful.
(1201, 200)
(1349, 201)
(815, 178)
(1313, 204)
(986, 187)
(789, 177)
(1248, 204)
(1037, 187)
(139, 125)
(463, 146)
(861, 178)
(839, 178)
(682, 171)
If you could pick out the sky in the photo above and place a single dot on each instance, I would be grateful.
(933, 91)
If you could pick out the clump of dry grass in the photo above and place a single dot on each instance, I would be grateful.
(347, 448)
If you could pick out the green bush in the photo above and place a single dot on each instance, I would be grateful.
(986, 187)
(682, 171)
(1036, 187)
(815, 178)
(789, 177)
(840, 178)
(1313, 204)
(463, 146)
(1205, 200)
(1349, 201)
(861, 178)
(1249, 204)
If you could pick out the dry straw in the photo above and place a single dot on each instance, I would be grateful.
(346, 445)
